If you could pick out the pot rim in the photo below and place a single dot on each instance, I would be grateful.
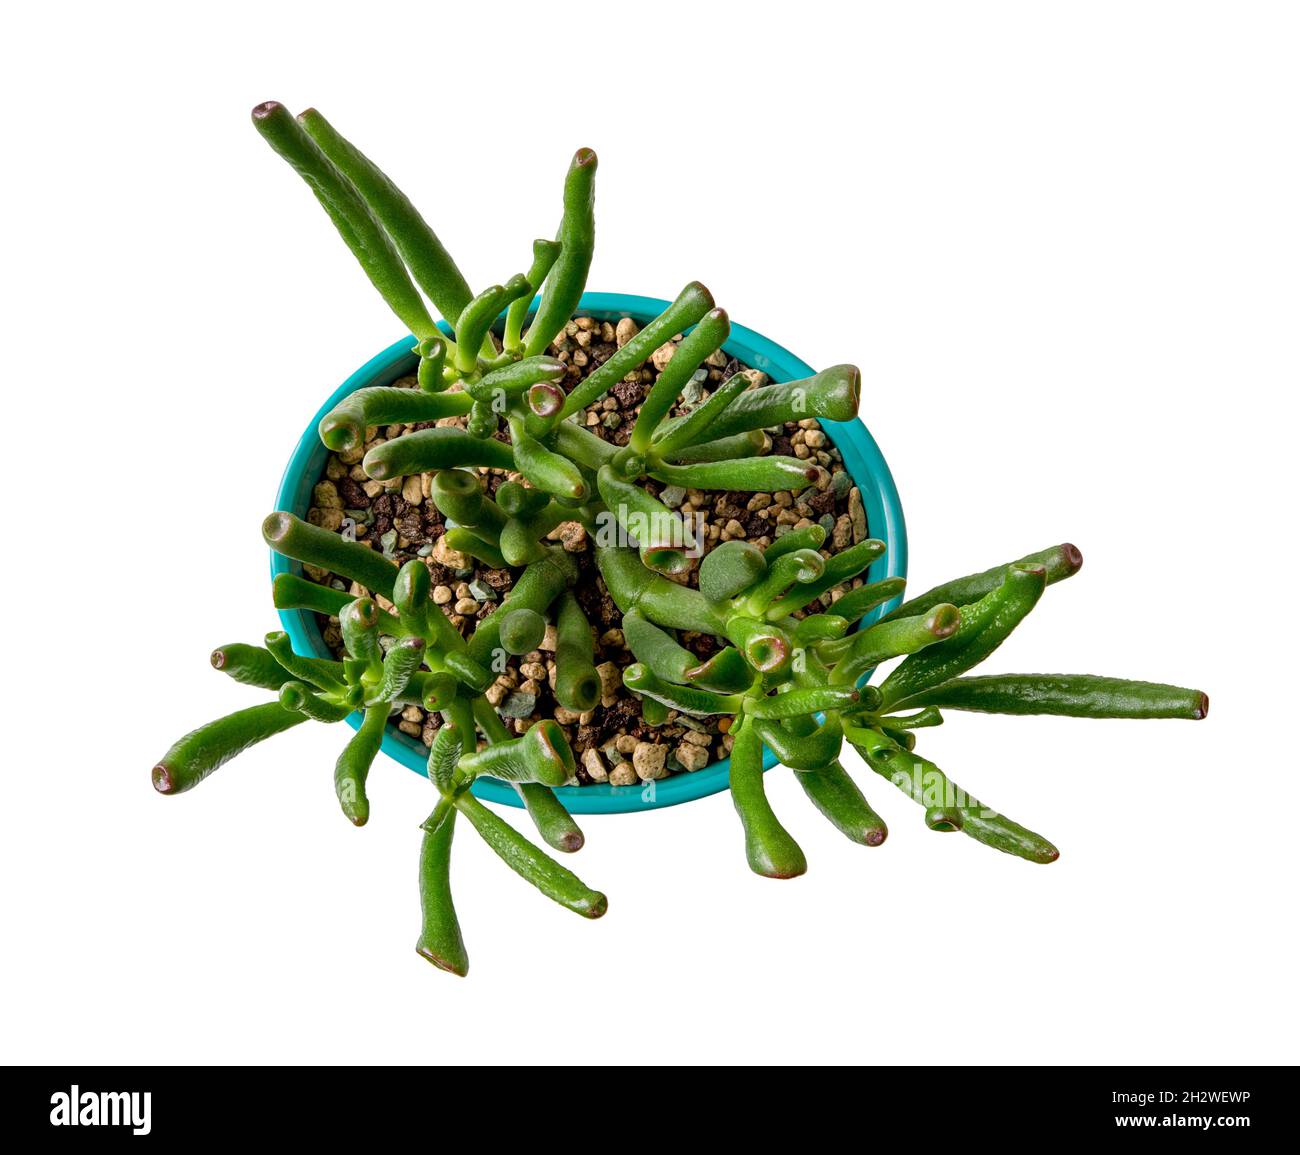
(862, 458)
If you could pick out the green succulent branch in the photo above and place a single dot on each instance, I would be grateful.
(380, 673)
(721, 447)
(806, 695)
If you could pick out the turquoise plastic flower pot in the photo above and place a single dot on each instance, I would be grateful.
(862, 458)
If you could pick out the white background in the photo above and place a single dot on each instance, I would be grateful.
(1060, 240)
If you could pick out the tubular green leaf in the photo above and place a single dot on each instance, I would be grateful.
(522, 501)
(729, 569)
(411, 597)
(358, 228)
(645, 517)
(541, 755)
(436, 690)
(526, 860)
(429, 374)
(1059, 562)
(458, 494)
(353, 765)
(577, 237)
(768, 846)
(548, 471)
(586, 449)
(521, 537)
(734, 448)
(794, 703)
(927, 785)
(766, 647)
(423, 252)
(656, 648)
(686, 699)
(470, 542)
(429, 449)
(359, 625)
(522, 630)
(697, 424)
(707, 337)
(535, 589)
(193, 757)
(856, 654)
(577, 685)
(985, 625)
(752, 474)
(490, 520)
(904, 738)
(494, 729)
(401, 661)
(833, 393)
(726, 672)
(802, 567)
(660, 533)
(837, 796)
(818, 628)
(483, 421)
(553, 822)
(632, 586)
(856, 603)
(1070, 695)
(291, 592)
(419, 615)
(653, 712)
(251, 665)
(842, 567)
(476, 318)
(321, 674)
(545, 401)
(444, 754)
(467, 670)
(510, 381)
(921, 720)
(440, 939)
(343, 428)
(303, 698)
(311, 545)
(544, 256)
(944, 819)
(808, 537)
(690, 305)
(800, 742)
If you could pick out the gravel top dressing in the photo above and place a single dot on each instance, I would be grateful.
(611, 741)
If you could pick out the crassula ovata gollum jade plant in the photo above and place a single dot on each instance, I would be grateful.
(789, 674)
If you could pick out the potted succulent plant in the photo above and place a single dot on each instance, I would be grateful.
(762, 639)
(862, 495)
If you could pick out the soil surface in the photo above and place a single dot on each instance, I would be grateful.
(611, 743)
